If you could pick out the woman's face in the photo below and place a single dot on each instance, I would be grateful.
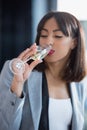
(61, 45)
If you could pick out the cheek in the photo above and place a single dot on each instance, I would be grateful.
(62, 49)
(42, 42)
(64, 45)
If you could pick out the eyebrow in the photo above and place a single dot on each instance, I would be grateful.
(53, 30)
(56, 30)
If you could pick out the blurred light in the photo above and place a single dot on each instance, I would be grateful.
(76, 7)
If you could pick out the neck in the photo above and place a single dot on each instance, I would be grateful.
(56, 86)
(54, 69)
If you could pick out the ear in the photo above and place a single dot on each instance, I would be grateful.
(74, 43)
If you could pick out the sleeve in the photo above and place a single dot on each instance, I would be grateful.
(10, 105)
(84, 95)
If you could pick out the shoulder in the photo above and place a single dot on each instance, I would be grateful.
(6, 68)
(81, 88)
(6, 75)
(82, 85)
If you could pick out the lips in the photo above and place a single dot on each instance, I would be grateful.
(51, 52)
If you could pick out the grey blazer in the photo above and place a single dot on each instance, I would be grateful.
(11, 106)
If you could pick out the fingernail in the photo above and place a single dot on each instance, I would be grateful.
(41, 61)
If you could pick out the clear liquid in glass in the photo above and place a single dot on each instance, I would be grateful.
(17, 66)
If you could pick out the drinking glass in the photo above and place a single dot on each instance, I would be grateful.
(17, 66)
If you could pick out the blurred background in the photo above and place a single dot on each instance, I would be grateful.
(19, 20)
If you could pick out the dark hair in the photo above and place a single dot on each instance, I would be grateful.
(74, 69)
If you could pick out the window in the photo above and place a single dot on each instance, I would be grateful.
(77, 8)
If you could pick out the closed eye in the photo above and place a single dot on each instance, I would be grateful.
(58, 36)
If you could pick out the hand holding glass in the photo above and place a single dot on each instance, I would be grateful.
(17, 66)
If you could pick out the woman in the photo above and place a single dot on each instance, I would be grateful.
(51, 93)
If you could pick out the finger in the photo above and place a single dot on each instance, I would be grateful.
(28, 52)
(34, 63)
(32, 46)
(24, 53)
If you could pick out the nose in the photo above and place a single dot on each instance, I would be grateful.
(50, 41)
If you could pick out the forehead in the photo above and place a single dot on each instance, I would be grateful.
(51, 23)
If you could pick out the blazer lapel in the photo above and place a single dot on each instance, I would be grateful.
(35, 96)
(78, 118)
